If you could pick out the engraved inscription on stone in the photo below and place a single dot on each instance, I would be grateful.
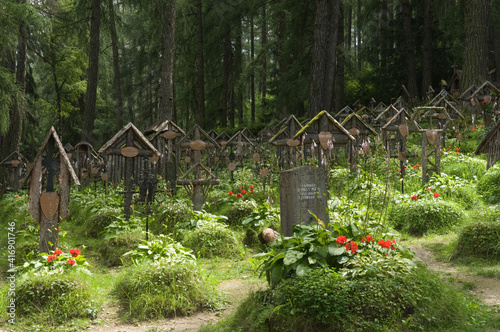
(307, 191)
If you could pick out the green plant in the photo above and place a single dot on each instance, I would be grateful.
(314, 246)
(169, 215)
(463, 166)
(112, 249)
(421, 216)
(165, 289)
(162, 248)
(489, 185)
(264, 216)
(212, 239)
(479, 239)
(238, 211)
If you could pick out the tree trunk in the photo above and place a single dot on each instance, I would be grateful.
(252, 73)
(282, 61)
(427, 47)
(226, 76)
(320, 44)
(116, 65)
(200, 84)
(411, 70)
(331, 61)
(475, 33)
(263, 88)
(339, 74)
(384, 40)
(92, 79)
(358, 37)
(166, 110)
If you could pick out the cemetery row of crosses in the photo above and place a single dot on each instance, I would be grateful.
(194, 158)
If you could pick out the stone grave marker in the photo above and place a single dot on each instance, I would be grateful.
(302, 189)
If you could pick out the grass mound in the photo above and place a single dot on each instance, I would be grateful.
(161, 289)
(479, 239)
(212, 239)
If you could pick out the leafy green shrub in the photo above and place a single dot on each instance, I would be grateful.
(479, 239)
(100, 220)
(314, 246)
(162, 289)
(426, 215)
(453, 188)
(238, 211)
(113, 248)
(463, 166)
(163, 248)
(168, 215)
(264, 216)
(54, 297)
(212, 239)
(56, 262)
(489, 185)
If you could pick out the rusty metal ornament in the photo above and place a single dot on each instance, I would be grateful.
(105, 176)
(264, 172)
(473, 101)
(325, 137)
(223, 144)
(239, 144)
(95, 170)
(442, 116)
(231, 166)
(402, 155)
(154, 159)
(130, 152)
(431, 136)
(403, 130)
(14, 163)
(49, 202)
(198, 145)
(292, 142)
(460, 136)
(354, 131)
(487, 98)
(256, 157)
(170, 134)
(187, 159)
(216, 159)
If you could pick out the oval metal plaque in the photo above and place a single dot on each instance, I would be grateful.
(292, 142)
(264, 172)
(170, 134)
(223, 144)
(325, 137)
(216, 159)
(105, 176)
(403, 130)
(198, 145)
(431, 136)
(49, 202)
(256, 157)
(460, 136)
(154, 159)
(231, 166)
(487, 98)
(442, 116)
(14, 162)
(187, 159)
(95, 170)
(402, 155)
(354, 131)
(130, 152)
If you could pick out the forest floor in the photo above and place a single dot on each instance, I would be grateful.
(484, 288)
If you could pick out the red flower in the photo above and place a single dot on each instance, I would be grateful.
(341, 239)
(230, 193)
(74, 252)
(457, 149)
(58, 252)
(448, 149)
(436, 195)
(369, 238)
(484, 101)
(473, 128)
(251, 187)
(243, 191)
(71, 262)
(241, 187)
(385, 244)
(17, 196)
(239, 195)
(417, 166)
(58, 229)
(398, 170)
(429, 189)
(414, 197)
(51, 258)
(251, 191)
(482, 127)
(352, 246)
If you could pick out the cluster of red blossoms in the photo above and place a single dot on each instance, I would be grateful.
(242, 192)
(417, 166)
(436, 195)
(74, 252)
(353, 246)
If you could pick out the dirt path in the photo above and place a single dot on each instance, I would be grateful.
(237, 290)
(486, 289)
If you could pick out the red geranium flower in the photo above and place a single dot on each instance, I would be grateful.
(414, 197)
(448, 149)
(429, 189)
(484, 101)
(341, 239)
(369, 238)
(436, 195)
(385, 244)
(243, 191)
(457, 149)
(352, 246)
(74, 252)
(71, 262)
(239, 195)
(51, 258)
(230, 193)
(398, 170)
(482, 127)
(58, 252)
(473, 128)
(417, 166)
(251, 187)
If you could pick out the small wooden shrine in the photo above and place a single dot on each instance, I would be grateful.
(197, 178)
(49, 203)
(165, 137)
(286, 145)
(491, 145)
(485, 98)
(130, 157)
(240, 150)
(15, 165)
(361, 131)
